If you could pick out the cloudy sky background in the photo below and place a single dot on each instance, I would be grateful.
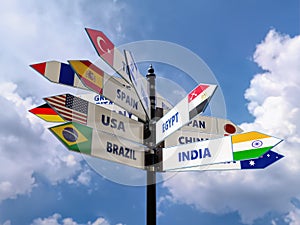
(252, 47)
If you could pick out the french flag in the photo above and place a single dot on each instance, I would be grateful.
(58, 72)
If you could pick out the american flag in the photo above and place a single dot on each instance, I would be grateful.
(69, 107)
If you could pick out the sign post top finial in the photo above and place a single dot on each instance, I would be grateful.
(150, 71)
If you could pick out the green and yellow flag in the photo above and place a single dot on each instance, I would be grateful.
(74, 136)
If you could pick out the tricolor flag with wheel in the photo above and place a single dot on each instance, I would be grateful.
(245, 146)
(253, 164)
(251, 145)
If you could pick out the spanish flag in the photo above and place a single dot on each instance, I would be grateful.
(74, 136)
(90, 75)
(46, 113)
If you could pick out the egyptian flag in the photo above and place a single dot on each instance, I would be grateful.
(46, 113)
(199, 98)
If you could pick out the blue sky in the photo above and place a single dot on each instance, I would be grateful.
(252, 48)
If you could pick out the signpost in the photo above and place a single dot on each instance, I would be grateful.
(102, 83)
(72, 108)
(137, 81)
(117, 61)
(89, 141)
(193, 104)
(134, 134)
(108, 52)
(181, 137)
(244, 146)
(262, 162)
(211, 125)
(58, 72)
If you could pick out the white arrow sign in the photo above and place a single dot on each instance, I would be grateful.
(138, 81)
(116, 59)
(193, 104)
(83, 139)
(72, 108)
(102, 83)
(180, 137)
(237, 147)
(212, 125)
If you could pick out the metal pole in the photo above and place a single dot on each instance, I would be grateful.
(151, 174)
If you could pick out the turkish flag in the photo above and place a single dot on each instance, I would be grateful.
(103, 46)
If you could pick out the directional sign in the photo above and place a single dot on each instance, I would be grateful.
(101, 83)
(72, 108)
(230, 148)
(116, 59)
(83, 139)
(262, 162)
(180, 137)
(212, 125)
(108, 52)
(48, 114)
(137, 80)
(193, 104)
(59, 73)
(202, 128)
(106, 103)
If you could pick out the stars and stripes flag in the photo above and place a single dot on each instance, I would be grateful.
(70, 107)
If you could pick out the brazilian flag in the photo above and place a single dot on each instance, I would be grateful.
(74, 136)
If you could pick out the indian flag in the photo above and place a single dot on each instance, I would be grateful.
(252, 145)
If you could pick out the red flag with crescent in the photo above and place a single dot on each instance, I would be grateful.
(103, 46)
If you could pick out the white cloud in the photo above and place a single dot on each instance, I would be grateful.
(293, 217)
(27, 148)
(84, 177)
(33, 32)
(274, 102)
(7, 222)
(56, 219)
(36, 31)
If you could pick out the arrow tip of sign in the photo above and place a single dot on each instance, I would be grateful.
(39, 67)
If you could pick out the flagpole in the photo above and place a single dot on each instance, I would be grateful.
(151, 173)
